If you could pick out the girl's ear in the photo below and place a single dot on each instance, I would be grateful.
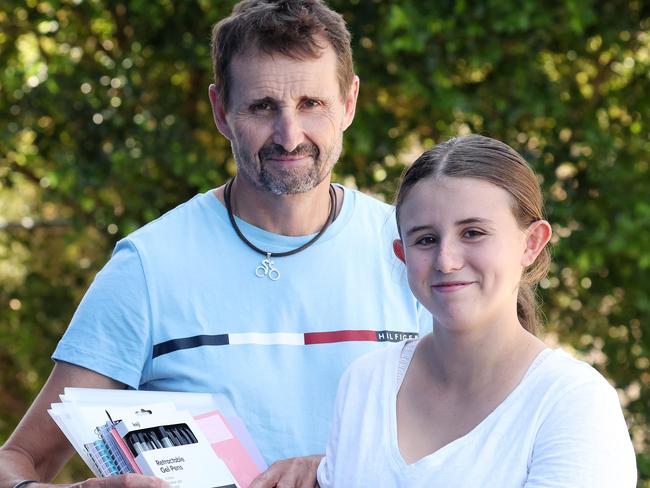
(537, 236)
(398, 249)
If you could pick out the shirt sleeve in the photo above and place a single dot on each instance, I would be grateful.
(326, 473)
(110, 332)
(584, 442)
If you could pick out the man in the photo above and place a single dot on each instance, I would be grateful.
(264, 289)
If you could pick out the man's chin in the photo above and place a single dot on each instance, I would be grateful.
(291, 184)
(288, 189)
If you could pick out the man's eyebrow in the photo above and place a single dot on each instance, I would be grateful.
(314, 97)
(266, 99)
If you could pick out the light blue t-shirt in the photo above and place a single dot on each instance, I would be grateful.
(179, 308)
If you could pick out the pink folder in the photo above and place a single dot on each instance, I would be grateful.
(229, 447)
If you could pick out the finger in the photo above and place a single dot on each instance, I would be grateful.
(268, 479)
(124, 481)
(138, 481)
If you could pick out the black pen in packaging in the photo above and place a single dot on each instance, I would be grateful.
(170, 445)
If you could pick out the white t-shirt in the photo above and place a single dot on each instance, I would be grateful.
(562, 426)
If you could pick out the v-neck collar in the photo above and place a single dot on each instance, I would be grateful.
(440, 455)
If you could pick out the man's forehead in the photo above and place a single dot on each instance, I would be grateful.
(257, 70)
(256, 50)
(250, 55)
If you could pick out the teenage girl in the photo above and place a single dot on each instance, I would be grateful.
(480, 401)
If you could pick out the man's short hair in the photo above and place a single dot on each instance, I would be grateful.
(294, 28)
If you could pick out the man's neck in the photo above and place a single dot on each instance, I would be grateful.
(291, 215)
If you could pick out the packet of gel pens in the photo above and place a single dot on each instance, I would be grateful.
(201, 444)
(171, 446)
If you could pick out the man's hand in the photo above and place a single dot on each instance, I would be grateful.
(122, 481)
(37, 449)
(298, 472)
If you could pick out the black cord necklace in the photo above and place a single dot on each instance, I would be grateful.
(267, 268)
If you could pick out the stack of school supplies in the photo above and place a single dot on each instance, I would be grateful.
(189, 439)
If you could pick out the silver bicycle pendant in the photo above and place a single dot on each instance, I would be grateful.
(268, 269)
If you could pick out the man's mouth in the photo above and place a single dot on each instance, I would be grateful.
(275, 152)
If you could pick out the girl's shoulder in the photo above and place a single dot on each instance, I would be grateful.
(559, 382)
(558, 367)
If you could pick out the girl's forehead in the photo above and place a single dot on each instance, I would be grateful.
(458, 189)
(456, 198)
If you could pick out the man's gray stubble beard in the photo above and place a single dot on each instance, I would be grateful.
(291, 183)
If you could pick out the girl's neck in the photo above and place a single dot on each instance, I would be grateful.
(470, 361)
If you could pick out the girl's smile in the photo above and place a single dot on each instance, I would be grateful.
(450, 286)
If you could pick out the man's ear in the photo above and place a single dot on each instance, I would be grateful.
(398, 249)
(537, 236)
(219, 112)
(350, 106)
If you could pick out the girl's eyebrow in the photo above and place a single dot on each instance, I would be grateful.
(418, 228)
(469, 220)
(473, 220)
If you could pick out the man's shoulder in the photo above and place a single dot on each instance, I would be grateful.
(176, 221)
(366, 200)
(369, 209)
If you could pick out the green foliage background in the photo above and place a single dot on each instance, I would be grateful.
(105, 124)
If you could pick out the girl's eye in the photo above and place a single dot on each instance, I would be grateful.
(472, 233)
(425, 241)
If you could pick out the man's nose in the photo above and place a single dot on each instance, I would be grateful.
(288, 131)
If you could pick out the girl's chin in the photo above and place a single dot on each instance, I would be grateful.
(456, 321)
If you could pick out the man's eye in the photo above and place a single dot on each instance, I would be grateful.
(311, 103)
(261, 107)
